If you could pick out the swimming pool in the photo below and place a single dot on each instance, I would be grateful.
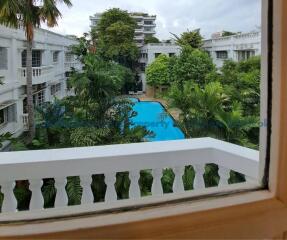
(154, 117)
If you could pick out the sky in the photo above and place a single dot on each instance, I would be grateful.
(174, 16)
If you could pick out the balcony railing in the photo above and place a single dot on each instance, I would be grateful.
(110, 160)
(25, 121)
(229, 40)
(39, 74)
(69, 65)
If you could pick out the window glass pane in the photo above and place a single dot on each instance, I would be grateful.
(36, 58)
(190, 100)
(3, 58)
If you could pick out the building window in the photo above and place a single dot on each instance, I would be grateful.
(156, 55)
(142, 66)
(143, 55)
(55, 88)
(36, 58)
(3, 116)
(245, 55)
(148, 29)
(39, 98)
(56, 56)
(69, 57)
(148, 22)
(171, 54)
(3, 58)
(222, 54)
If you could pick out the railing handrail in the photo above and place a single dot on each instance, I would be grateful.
(41, 67)
(127, 157)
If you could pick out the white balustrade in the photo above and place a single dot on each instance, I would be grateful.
(178, 186)
(39, 74)
(110, 160)
(61, 196)
(199, 180)
(37, 201)
(9, 202)
(111, 194)
(156, 184)
(25, 119)
(87, 196)
(134, 187)
(224, 175)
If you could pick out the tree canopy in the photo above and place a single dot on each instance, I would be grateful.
(157, 73)
(115, 34)
(190, 38)
(151, 39)
(193, 65)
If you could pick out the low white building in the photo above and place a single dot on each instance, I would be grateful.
(52, 61)
(150, 52)
(236, 47)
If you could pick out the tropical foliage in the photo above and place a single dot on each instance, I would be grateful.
(226, 108)
(190, 38)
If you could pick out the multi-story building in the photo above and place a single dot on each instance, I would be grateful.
(145, 25)
(51, 60)
(236, 47)
(150, 52)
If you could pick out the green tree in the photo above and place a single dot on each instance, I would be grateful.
(30, 14)
(157, 73)
(151, 39)
(190, 38)
(242, 82)
(198, 106)
(115, 33)
(227, 33)
(235, 126)
(193, 65)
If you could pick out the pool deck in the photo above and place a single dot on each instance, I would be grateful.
(173, 111)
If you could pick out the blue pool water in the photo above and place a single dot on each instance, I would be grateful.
(154, 117)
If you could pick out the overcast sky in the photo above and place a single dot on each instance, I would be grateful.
(172, 15)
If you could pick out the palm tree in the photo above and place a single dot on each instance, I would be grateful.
(30, 14)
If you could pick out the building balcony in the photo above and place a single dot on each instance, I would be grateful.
(39, 74)
(149, 31)
(141, 37)
(110, 160)
(25, 122)
(139, 30)
(69, 65)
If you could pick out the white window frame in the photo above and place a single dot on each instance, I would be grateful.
(222, 54)
(262, 214)
(56, 56)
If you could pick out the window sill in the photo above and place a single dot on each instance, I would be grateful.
(198, 211)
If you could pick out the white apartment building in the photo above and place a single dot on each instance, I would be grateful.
(145, 25)
(150, 52)
(52, 61)
(236, 47)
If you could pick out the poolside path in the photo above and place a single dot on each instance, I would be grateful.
(173, 111)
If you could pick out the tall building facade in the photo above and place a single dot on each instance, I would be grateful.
(145, 25)
(52, 61)
(237, 47)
